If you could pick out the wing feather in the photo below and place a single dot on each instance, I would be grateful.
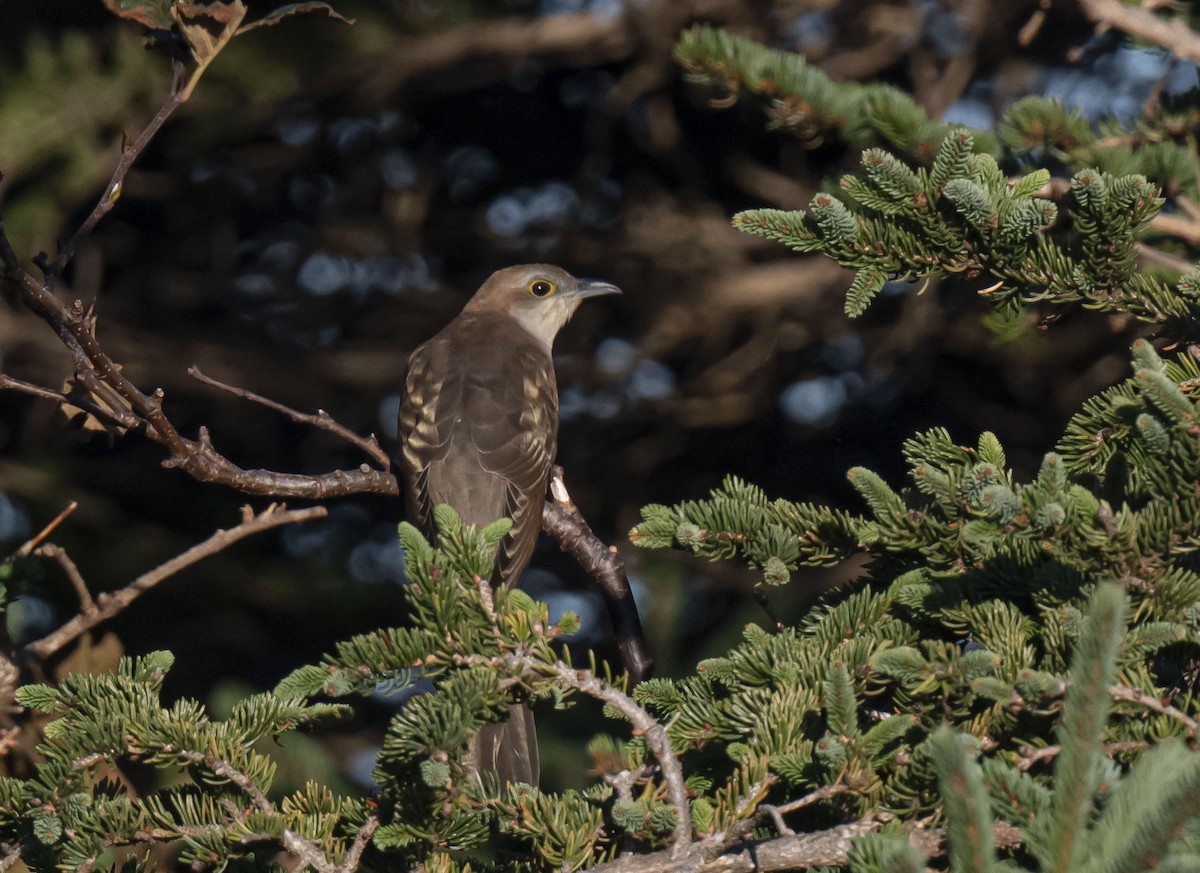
(478, 427)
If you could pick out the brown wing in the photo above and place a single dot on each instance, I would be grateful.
(478, 426)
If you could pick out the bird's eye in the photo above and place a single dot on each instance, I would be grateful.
(541, 287)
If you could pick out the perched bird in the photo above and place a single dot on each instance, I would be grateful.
(478, 430)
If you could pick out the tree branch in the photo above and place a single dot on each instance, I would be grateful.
(126, 404)
(645, 725)
(59, 555)
(1122, 692)
(1173, 35)
(322, 420)
(109, 605)
(112, 192)
(562, 521)
(361, 840)
(828, 848)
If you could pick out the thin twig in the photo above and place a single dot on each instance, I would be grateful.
(34, 541)
(59, 555)
(1122, 692)
(828, 848)
(114, 411)
(112, 192)
(823, 793)
(109, 605)
(361, 840)
(562, 521)
(1030, 756)
(304, 849)
(8, 383)
(655, 736)
(322, 420)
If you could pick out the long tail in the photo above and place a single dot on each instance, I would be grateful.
(510, 749)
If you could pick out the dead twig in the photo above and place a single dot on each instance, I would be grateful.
(1030, 756)
(321, 420)
(1122, 692)
(28, 547)
(118, 400)
(108, 605)
(828, 848)
(116, 184)
(59, 555)
(644, 725)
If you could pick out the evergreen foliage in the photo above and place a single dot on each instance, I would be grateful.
(1017, 663)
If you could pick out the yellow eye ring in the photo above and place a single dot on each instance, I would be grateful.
(541, 288)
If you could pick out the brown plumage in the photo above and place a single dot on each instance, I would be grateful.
(478, 430)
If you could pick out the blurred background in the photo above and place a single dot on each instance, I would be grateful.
(332, 195)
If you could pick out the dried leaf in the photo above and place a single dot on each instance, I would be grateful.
(85, 419)
(155, 14)
(283, 12)
(207, 28)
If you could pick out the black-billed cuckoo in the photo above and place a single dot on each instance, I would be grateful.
(478, 427)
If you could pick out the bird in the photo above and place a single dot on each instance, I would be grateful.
(478, 429)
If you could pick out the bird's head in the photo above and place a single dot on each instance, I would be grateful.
(541, 297)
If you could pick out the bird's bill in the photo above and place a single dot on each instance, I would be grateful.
(595, 288)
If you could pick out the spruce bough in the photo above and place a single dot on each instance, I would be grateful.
(1017, 664)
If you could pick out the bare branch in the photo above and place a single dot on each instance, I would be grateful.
(112, 192)
(126, 404)
(109, 605)
(1122, 692)
(1173, 35)
(361, 839)
(304, 849)
(828, 848)
(656, 739)
(322, 420)
(28, 547)
(1030, 756)
(562, 521)
(12, 854)
(8, 383)
(59, 555)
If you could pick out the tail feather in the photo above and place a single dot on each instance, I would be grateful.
(510, 748)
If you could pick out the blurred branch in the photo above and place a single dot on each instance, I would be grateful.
(599, 38)
(1172, 34)
(562, 521)
(108, 605)
(322, 420)
(59, 555)
(112, 191)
